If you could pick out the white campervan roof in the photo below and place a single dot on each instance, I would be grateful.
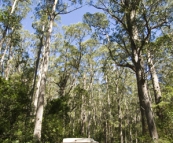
(79, 140)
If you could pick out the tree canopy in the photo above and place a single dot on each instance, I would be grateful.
(108, 77)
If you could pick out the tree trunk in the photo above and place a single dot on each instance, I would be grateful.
(140, 73)
(108, 95)
(130, 133)
(7, 70)
(105, 130)
(120, 122)
(155, 81)
(37, 90)
(2, 59)
(142, 110)
(90, 100)
(3, 37)
(83, 114)
(136, 121)
(39, 112)
(35, 97)
(41, 95)
(143, 96)
(43, 72)
(13, 6)
(3, 56)
(121, 139)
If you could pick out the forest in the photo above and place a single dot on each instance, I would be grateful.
(108, 77)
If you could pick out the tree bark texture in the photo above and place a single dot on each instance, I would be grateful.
(143, 96)
(43, 72)
(7, 70)
(120, 122)
(137, 60)
(35, 97)
(155, 80)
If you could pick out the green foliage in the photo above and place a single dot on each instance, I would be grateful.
(96, 20)
(15, 110)
(77, 31)
(10, 20)
(92, 104)
(56, 120)
(165, 124)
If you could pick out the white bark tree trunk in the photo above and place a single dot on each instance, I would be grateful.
(2, 58)
(155, 80)
(35, 97)
(7, 70)
(37, 90)
(83, 113)
(120, 122)
(143, 95)
(43, 72)
(140, 76)
(13, 6)
(90, 100)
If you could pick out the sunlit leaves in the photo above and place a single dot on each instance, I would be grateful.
(9, 20)
(76, 31)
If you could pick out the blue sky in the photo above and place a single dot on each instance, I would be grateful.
(66, 19)
(76, 16)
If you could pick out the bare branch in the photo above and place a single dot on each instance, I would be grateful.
(61, 12)
(127, 65)
(125, 47)
(148, 31)
(112, 15)
(159, 24)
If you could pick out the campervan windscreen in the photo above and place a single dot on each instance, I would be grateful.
(79, 140)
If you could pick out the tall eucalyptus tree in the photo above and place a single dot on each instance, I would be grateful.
(135, 23)
(52, 8)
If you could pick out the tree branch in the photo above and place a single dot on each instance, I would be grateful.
(61, 12)
(159, 24)
(127, 65)
(118, 64)
(112, 15)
